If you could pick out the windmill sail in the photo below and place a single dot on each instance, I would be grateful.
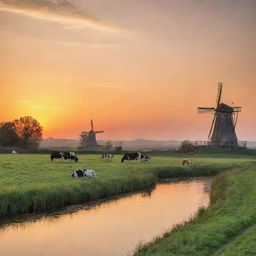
(220, 85)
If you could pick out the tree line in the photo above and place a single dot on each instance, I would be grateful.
(25, 132)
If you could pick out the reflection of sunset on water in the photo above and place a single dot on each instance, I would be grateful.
(117, 225)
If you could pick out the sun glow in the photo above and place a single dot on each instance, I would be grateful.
(133, 87)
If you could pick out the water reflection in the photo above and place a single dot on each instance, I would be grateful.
(110, 228)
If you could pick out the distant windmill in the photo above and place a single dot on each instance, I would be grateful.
(90, 137)
(222, 132)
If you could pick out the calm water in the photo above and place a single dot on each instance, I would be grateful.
(111, 228)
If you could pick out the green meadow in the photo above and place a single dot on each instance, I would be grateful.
(31, 182)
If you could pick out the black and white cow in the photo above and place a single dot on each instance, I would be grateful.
(145, 158)
(89, 174)
(107, 157)
(65, 155)
(71, 156)
(131, 156)
(135, 156)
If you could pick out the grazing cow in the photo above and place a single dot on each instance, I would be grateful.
(131, 156)
(70, 155)
(186, 162)
(89, 174)
(145, 158)
(107, 157)
(65, 155)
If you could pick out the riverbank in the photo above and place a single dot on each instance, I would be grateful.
(226, 227)
(31, 183)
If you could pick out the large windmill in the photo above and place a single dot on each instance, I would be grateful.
(222, 131)
(90, 137)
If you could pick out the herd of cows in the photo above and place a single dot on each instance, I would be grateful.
(85, 173)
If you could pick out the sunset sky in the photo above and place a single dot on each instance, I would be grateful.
(139, 68)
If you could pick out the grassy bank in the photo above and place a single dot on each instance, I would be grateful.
(33, 183)
(227, 227)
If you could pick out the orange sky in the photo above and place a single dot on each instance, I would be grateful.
(138, 68)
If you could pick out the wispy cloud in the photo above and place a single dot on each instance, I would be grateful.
(81, 44)
(60, 11)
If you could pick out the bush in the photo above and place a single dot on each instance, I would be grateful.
(187, 147)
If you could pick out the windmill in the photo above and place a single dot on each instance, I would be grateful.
(222, 131)
(90, 137)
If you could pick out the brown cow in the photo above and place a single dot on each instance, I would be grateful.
(186, 162)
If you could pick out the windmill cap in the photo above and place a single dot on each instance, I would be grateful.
(224, 108)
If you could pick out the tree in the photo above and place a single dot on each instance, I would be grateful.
(8, 135)
(108, 145)
(29, 131)
(187, 147)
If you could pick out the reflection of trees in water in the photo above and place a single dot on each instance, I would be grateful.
(146, 193)
(53, 216)
(23, 221)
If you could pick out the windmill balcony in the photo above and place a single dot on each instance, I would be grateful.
(229, 144)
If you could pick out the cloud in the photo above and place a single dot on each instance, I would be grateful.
(81, 44)
(60, 11)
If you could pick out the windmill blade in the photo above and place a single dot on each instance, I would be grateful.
(92, 125)
(220, 85)
(99, 131)
(213, 122)
(202, 110)
(237, 109)
(235, 119)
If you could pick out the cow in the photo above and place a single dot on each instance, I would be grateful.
(186, 162)
(145, 158)
(70, 155)
(131, 156)
(107, 157)
(85, 173)
(14, 152)
(135, 156)
(64, 155)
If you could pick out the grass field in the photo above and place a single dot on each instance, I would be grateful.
(226, 228)
(33, 183)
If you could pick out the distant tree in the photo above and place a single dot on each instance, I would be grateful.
(8, 135)
(83, 139)
(29, 131)
(108, 145)
(119, 147)
(187, 147)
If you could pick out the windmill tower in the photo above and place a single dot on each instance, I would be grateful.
(222, 131)
(91, 136)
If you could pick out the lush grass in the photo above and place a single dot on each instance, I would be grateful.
(227, 227)
(33, 183)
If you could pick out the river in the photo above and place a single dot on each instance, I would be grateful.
(110, 228)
